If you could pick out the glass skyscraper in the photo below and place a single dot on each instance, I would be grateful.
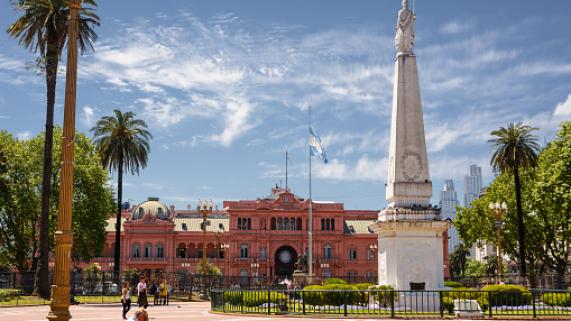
(472, 184)
(448, 203)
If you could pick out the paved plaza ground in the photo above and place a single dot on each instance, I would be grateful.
(175, 311)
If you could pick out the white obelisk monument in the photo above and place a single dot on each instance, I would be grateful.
(410, 246)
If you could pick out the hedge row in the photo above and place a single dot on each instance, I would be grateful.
(252, 298)
(8, 294)
(557, 299)
(357, 294)
(507, 294)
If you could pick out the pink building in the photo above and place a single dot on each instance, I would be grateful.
(262, 237)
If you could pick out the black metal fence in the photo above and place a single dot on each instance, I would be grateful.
(394, 303)
(545, 281)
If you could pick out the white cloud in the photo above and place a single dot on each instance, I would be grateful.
(88, 116)
(236, 121)
(25, 135)
(455, 27)
(563, 108)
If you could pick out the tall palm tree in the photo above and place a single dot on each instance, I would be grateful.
(122, 142)
(43, 28)
(515, 147)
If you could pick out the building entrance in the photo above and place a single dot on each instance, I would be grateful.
(285, 259)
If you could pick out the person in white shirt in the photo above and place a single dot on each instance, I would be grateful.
(142, 292)
(126, 299)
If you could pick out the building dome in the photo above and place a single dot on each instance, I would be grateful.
(151, 207)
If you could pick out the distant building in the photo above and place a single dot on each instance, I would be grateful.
(472, 184)
(448, 203)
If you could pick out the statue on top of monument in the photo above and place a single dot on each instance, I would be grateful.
(404, 39)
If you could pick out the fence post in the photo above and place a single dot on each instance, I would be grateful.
(303, 302)
(241, 301)
(489, 304)
(533, 302)
(392, 298)
(441, 304)
(270, 302)
(345, 304)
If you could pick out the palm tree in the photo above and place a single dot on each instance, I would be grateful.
(458, 259)
(515, 147)
(122, 142)
(492, 266)
(43, 28)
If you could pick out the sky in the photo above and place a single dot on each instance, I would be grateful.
(225, 86)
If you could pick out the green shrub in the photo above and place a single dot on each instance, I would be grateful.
(452, 284)
(362, 297)
(385, 294)
(334, 281)
(448, 305)
(507, 294)
(257, 298)
(557, 299)
(8, 294)
(339, 294)
(312, 295)
(252, 298)
(233, 297)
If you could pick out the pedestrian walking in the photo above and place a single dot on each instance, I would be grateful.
(126, 299)
(163, 288)
(142, 292)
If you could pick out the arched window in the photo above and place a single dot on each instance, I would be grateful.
(286, 223)
(333, 224)
(244, 251)
(239, 223)
(280, 224)
(160, 251)
(161, 213)
(328, 224)
(292, 224)
(322, 224)
(141, 214)
(273, 223)
(181, 250)
(136, 250)
(244, 279)
(148, 250)
(299, 224)
(249, 227)
(327, 251)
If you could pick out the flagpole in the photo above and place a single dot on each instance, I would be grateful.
(310, 221)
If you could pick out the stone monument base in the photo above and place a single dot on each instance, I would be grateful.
(304, 278)
(410, 247)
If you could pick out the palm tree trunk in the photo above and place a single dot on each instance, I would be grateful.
(116, 267)
(520, 226)
(41, 286)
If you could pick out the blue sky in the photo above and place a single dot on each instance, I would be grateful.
(225, 85)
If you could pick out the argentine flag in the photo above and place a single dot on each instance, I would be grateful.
(315, 147)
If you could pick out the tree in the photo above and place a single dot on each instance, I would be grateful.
(475, 224)
(474, 268)
(210, 269)
(92, 202)
(491, 265)
(123, 144)
(515, 147)
(552, 199)
(43, 28)
(458, 259)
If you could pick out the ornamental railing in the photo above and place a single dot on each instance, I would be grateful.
(461, 303)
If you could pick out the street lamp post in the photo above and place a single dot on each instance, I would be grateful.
(205, 208)
(499, 211)
(59, 304)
